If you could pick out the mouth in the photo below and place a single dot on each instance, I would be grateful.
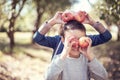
(75, 49)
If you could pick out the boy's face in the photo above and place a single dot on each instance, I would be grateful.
(77, 34)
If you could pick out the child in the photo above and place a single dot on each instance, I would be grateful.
(53, 42)
(75, 63)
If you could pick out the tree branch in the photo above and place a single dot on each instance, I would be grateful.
(20, 8)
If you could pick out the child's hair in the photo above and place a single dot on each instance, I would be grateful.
(71, 25)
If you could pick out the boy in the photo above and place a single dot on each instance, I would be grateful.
(75, 63)
(53, 42)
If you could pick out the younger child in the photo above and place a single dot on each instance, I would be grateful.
(75, 63)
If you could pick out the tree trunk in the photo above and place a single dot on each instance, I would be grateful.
(11, 33)
(12, 42)
(118, 36)
(36, 26)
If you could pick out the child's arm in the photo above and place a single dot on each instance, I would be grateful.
(96, 70)
(54, 71)
(103, 36)
(40, 38)
(49, 24)
(95, 24)
(56, 67)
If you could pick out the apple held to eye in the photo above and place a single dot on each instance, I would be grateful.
(83, 42)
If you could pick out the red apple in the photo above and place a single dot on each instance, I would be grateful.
(67, 16)
(80, 16)
(83, 42)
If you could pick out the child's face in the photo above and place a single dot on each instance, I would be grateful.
(77, 34)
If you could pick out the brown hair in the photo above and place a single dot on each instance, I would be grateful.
(71, 25)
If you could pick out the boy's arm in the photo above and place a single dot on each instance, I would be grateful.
(46, 40)
(50, 23)
(40, 38)
(100, 38)
(97, 71)
(103, 36)
(54, 71)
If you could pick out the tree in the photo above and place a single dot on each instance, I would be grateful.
(14, 12)
(50, 7)
(109, 11)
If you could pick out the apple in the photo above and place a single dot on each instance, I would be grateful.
(80, 16)
(83, 42)
(67, 16)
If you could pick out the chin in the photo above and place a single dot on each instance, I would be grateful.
(75, 51)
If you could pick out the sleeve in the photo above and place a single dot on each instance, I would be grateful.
(54, 70)
(97, 71)
(101, 38)
(46, 40)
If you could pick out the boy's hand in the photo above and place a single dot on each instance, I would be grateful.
(87, 51)
(88, 20)
(98, 26)
(68, 44)
(57, 19)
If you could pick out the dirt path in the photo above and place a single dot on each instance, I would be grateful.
(22, 67)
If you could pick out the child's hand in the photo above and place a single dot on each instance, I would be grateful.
(57, 19)
(88, 20)
(98, 26)
(87, 51)
(68, 44)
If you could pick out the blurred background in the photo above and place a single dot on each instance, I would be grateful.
(22, 59)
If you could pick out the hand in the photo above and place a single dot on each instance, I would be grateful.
(88, 20)
(57, 19)
(68, 43)
(87, 51)
(98, 26)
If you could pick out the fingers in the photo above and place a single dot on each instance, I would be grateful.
(59, 12)
(89, 41)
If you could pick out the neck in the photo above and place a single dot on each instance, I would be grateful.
(74, 56)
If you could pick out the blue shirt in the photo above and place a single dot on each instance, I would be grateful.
(53, 42)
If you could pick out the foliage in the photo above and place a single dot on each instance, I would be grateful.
(49, 7)
(109, 10)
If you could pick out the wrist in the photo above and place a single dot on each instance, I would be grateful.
(90, 57)
(51, 22)
(92, 23)
(98, 26)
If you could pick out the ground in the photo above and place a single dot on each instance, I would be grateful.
(29, 61)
